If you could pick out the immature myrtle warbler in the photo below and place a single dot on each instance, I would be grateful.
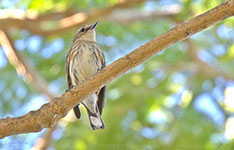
(83, 60)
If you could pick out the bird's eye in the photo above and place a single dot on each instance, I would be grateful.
(82, 30)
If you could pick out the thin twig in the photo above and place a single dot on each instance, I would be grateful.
(42, 143)
(23, 69)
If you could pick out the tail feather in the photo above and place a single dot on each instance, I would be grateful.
(95, 119)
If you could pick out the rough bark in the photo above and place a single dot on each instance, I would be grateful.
(49, 114)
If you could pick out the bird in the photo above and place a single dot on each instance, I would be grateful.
(84, 59)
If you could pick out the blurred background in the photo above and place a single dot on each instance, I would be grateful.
(182, 98)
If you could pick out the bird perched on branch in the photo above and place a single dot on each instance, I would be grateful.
(83, 60)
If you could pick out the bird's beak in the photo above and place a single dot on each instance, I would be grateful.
(94, 25)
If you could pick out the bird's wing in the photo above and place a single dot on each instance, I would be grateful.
(69, 82)
(101, 99)
(102, 93)
(68, 60)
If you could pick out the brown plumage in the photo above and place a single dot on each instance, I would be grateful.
(83, 60)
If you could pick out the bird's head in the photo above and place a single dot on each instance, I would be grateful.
(87, 32)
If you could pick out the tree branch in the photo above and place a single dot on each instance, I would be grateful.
(130, 16)
(16, 17)
(23, 69)
(42, 143)
(49, 114)
(30, 76)
(37, 25)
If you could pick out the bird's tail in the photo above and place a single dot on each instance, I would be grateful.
(95, 120)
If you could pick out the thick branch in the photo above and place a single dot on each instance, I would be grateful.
(49, 114)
